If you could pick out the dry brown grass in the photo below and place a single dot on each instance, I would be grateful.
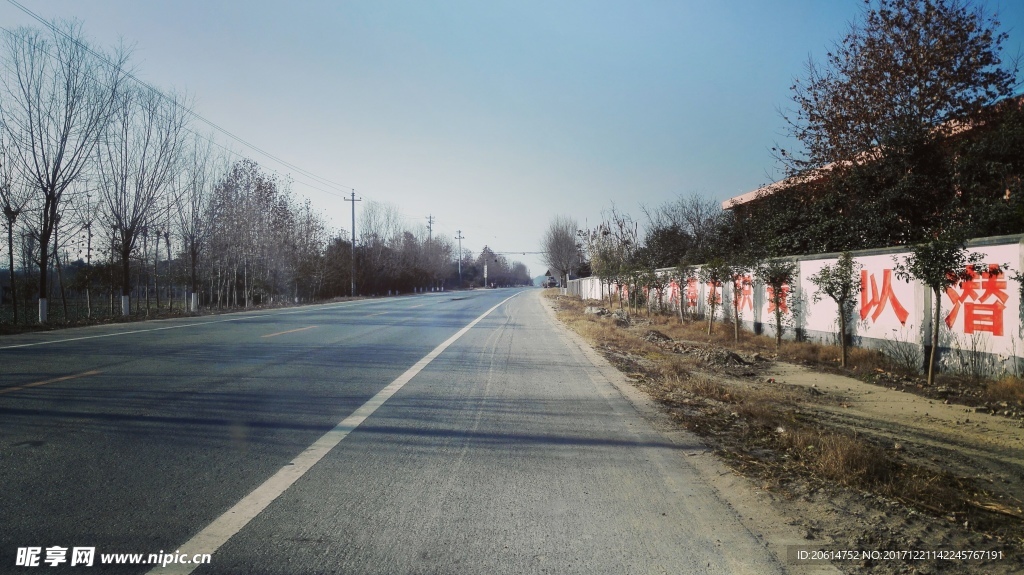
(693, 330)
(840, 457)
(1006, 388)
(754, 418)
(867, 360)
(710, 389)
(676, 368)
(858, 359)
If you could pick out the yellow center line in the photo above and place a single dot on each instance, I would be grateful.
(55, 380)
(289, 331)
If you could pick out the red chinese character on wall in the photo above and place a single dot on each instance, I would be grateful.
(744, 292)
(783, 305)
(979, 315)
(714, 295)
(673, 291)
(879, 299)
(692, 293)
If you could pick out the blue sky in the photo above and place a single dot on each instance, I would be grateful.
(492, 116)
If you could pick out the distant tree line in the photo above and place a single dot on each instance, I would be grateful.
(113, 204)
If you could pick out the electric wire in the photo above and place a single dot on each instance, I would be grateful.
(102, 57)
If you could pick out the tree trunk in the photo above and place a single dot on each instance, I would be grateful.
(170, 289)
(10, 261)
(842, 334)
(60, 278)
(138, 286)
(679, 292)
(778, 324)
(156, 273)
(711, 304)
(193, 280)
(935, 336)
(144, 269)
(245, 281)
(49, 219)
(126, 281)
(111, 276)
(736, 313)
(88, 273)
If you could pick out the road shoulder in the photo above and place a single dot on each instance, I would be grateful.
(752, 505)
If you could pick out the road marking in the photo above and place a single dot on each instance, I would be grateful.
(54, 380)
(198, 323)
(289, 331)
(373, 314)
(216, 534)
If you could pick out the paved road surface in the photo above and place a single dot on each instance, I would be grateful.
(320, 440)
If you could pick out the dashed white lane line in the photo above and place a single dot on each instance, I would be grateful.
(54, 380)
(216, 534)
(198, 323)
(290, 331)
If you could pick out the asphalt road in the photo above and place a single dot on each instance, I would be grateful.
(359, 437)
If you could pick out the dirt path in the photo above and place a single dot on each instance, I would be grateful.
(956, 438)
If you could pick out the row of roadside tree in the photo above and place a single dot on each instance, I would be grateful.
(112, 198)
(909, 134)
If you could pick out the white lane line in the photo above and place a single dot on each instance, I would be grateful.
(216, 534)
(54, 380)
(126, 332)
(290, 331)
(199, 323)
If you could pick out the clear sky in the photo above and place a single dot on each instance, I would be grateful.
(492, 116)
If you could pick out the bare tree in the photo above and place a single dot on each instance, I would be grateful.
(907, 70)
(14, 196)
(194, 183)
(439, 252)
(137, 160)
(686, 228)
(559, 244)
(60, 96)
(380, 230)
(86, 210)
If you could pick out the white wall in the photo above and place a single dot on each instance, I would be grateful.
(985, 313)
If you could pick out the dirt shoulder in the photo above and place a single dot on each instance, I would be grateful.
(851, 464)
(957, 438)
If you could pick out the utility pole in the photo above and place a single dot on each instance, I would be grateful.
(460, 238)
(430, 228)
(485, 258)
(353, 269)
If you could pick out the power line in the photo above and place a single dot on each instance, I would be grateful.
(320, 180)
(222, 147)
(320, 184)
